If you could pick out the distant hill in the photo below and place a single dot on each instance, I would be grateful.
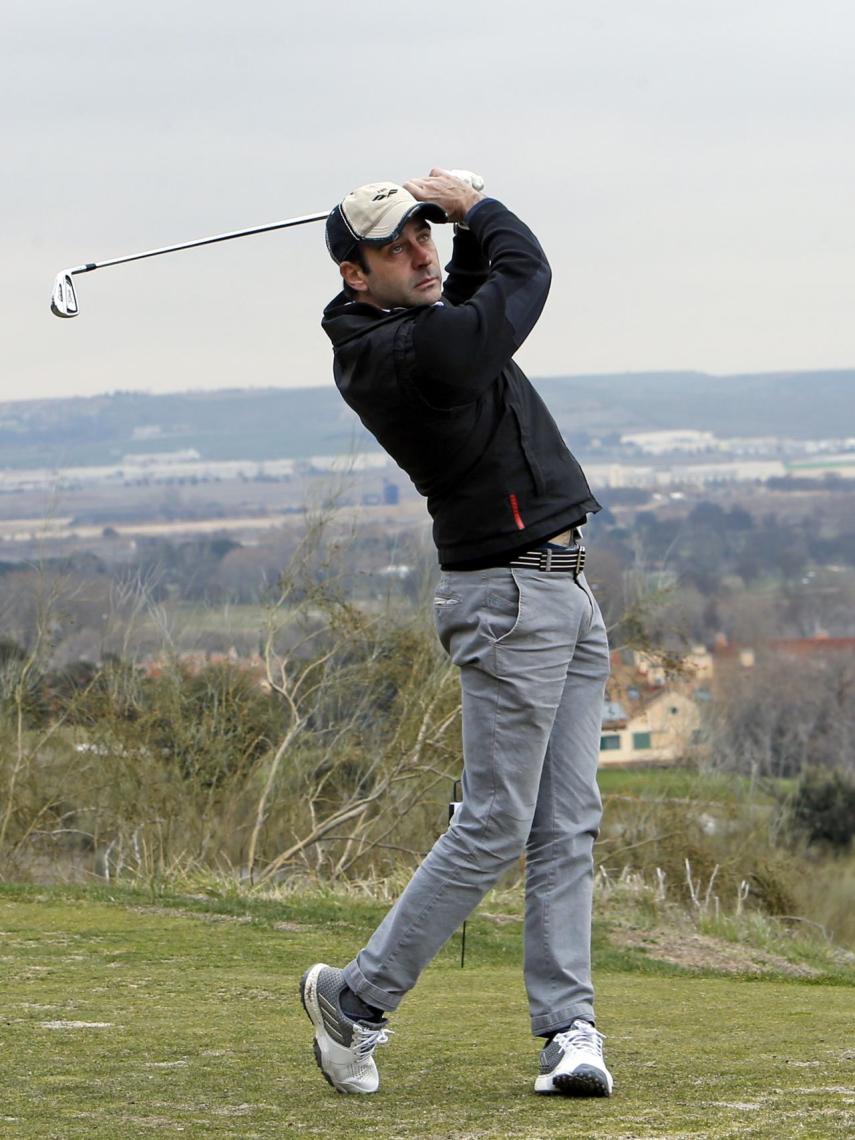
(299, 422)
(801, 405)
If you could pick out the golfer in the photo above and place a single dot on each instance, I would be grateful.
(429, 369)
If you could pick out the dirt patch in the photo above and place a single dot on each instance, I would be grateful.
(500, 919)
(209, 916)
(199, 915)
(703, 952)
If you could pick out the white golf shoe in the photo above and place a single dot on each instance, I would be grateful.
(572, 1063)
(344, 1049)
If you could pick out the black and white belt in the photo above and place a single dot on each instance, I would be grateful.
(553, 559)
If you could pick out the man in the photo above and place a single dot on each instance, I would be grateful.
(431, 375)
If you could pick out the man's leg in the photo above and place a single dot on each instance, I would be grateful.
(559, 851)
(559, 880)
(513, 634)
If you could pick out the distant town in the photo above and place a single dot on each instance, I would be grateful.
(636, 459)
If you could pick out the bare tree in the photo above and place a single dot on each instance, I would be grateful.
(786, 716)
(370, 710)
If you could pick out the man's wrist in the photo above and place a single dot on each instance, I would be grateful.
(471, 201)
(463, 226)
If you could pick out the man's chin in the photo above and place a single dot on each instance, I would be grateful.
(427, 295)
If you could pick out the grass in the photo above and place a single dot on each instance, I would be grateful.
(145, 1014)
(673, 782)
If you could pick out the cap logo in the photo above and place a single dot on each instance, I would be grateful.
(386, 193)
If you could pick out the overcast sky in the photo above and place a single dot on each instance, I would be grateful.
(688, 165)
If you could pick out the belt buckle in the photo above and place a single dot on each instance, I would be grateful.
(579, 560)
(576, 556)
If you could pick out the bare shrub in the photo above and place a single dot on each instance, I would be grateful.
(701, 851)
(323, 759)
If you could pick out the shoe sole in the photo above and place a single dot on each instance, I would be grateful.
(583, 1082)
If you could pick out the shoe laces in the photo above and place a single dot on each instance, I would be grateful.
(581, 1035)
(366, 1038)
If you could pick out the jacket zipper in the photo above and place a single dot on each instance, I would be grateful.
(530, 461)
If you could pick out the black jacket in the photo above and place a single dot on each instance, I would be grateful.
(438, 388)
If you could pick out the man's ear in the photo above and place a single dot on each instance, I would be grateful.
(353, 276)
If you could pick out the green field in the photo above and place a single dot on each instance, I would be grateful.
(131, 1014)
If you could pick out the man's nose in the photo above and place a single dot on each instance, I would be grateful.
(421, 255)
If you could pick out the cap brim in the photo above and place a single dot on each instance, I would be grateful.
(429, 210)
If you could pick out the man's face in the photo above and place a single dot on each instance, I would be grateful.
(405, 273)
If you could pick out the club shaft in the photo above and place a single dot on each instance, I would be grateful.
(200, 241)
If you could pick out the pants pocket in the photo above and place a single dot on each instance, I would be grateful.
(502, 608)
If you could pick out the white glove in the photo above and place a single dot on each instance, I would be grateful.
(471, 179)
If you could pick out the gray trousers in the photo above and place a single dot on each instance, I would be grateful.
(533, 658)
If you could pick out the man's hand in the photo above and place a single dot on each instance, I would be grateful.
(440, 186)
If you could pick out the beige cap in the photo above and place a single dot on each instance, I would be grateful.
(376, 214)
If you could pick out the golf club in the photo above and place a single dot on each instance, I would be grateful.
(63, 301)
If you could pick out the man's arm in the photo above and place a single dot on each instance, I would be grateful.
(467, 270)
(460, 349)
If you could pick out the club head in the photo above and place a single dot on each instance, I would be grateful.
(63, 299)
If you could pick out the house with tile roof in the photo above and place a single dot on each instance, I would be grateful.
(650, 716)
